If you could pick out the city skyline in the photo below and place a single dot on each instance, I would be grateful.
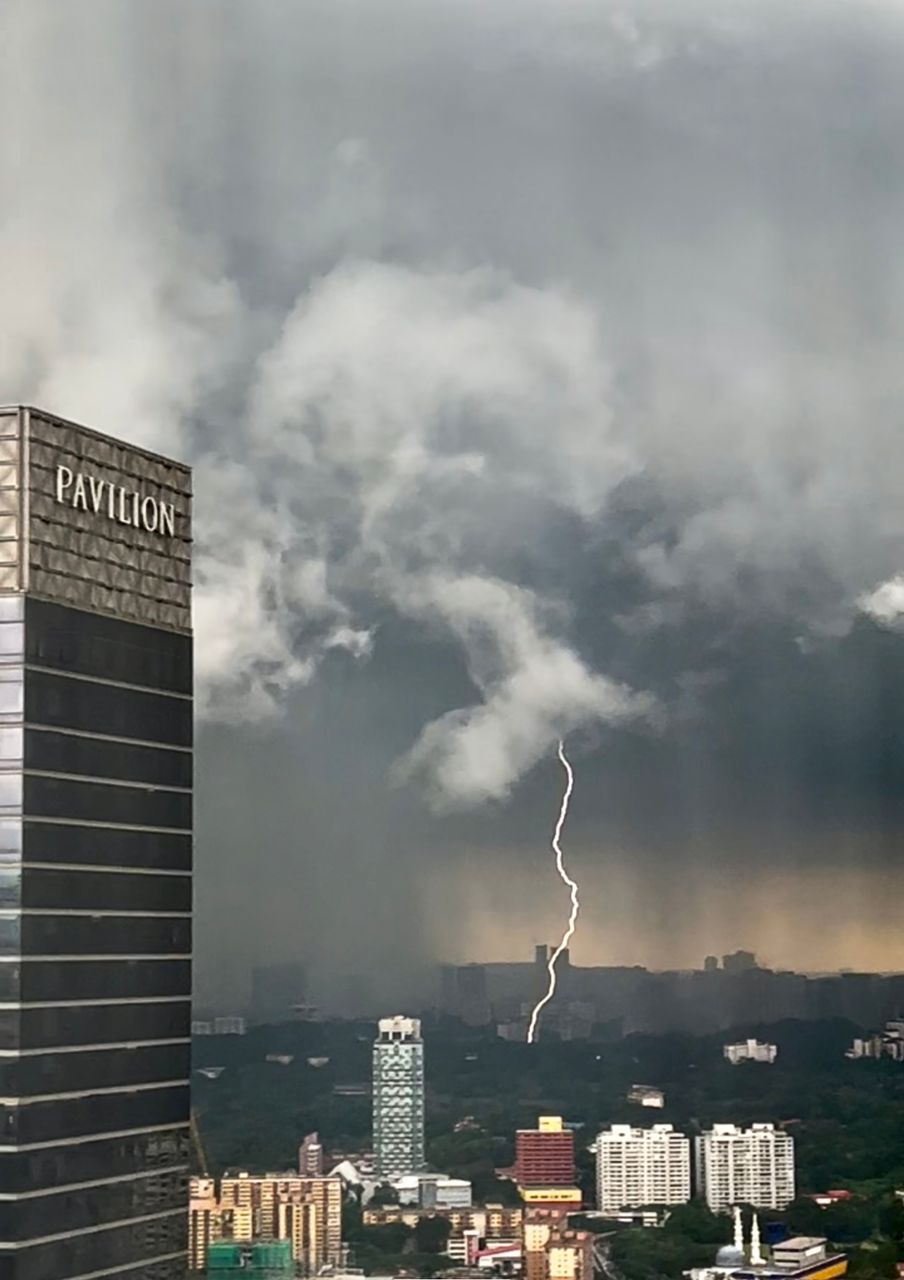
(450, 485)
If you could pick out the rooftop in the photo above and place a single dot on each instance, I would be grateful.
(99, 435)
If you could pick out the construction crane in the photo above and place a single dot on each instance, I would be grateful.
(200, 1154)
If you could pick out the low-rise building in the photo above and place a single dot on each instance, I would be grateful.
(749, 1051)
(882, 1044)
(489, 1222)
(801, 1258)
(231, 1025)
(645, 1095)
(433, 1191)
(826, 1199)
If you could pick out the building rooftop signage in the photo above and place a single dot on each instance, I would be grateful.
(126, 506)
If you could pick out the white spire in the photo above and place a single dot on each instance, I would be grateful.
(738, 1229)
(756, 1253)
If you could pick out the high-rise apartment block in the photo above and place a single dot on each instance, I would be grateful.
(544, 1157)
(274, 1206)
(398, 1097)
(640, 1167)
(310, 1156)
(752, 1166)
(95, 853)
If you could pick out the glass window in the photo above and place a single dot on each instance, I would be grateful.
(100, 890)
(98, 979)
(11, 693)
(11, 791)
(64, 703)
(70, 798)
(12, 641)
(94, 645)
(71, 1117)
(87, 1161)
(95, 935)
(9, 982)
(10, 886)
(10, 838)
(10, 935)
(93, 1069)
(101, 1024)
(69, 753)
(12, 608)
(11, 743)
(74, 1210)
(99, 1251)
(105, 846)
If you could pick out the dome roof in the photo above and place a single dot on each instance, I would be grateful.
(730, 1256)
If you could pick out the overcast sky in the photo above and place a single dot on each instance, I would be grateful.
(540, 363)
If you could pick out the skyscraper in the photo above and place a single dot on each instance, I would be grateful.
(640, 1167)
(752, 1166)
(95, 854)
(398, 1097)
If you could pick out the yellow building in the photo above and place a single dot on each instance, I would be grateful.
(204, 1225)
(272, 1206)
(492, 1221)
(553, 1252)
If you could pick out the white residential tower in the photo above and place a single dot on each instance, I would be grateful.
(752, 1166)
(398, 1097)
(640, 1167)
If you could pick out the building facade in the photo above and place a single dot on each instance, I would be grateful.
(550, 1251)
(251, 1208)
(398, 1097)
(310, 1155)
(433, 1191)
(749, 1051)
(95, 854)
(230, 1025)
(645, 1095)
(887, 1044)
(752, 1166)
(640, 1167)
(544, 1157)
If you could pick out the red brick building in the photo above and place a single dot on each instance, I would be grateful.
(544, 1157)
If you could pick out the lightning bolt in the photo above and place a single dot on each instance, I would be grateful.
(575, 902)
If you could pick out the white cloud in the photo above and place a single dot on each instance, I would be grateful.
(535, 690)
(411, 410)
(885, 604)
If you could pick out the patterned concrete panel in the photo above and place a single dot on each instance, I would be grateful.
(93, 522)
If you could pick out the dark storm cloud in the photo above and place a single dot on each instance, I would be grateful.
(539, 363)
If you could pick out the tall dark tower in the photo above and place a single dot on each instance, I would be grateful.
(95, 854)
